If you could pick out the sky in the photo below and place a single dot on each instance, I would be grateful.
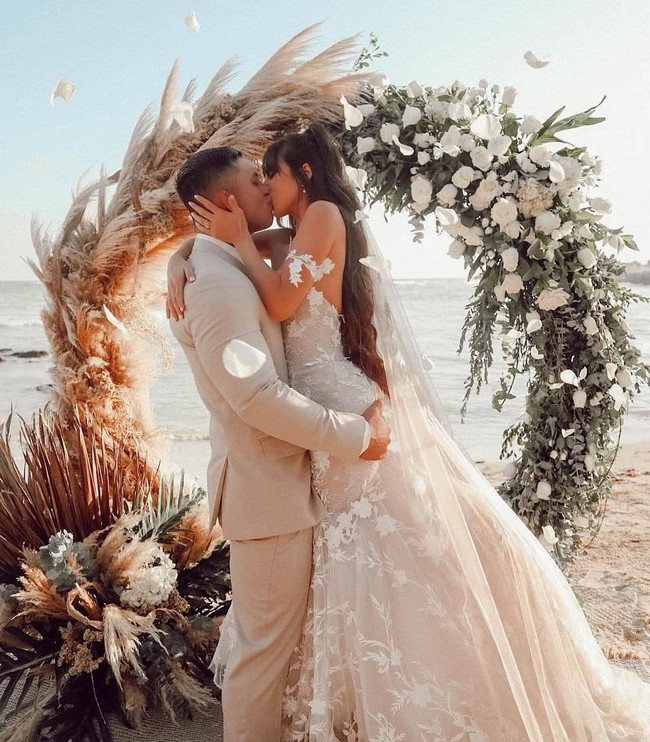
(119, 53)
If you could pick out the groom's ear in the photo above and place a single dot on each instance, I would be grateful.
(221, 199)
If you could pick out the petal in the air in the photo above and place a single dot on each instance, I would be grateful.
(359, 216)
(381, 265)
(357, 175)
(183, 115)
(242, 360)
(63, 89)
(534, 61)
(353, 116)
(192, 22)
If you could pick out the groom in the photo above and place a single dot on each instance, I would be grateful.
(262, 494)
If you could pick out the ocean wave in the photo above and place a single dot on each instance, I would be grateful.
(186, 435)
(8, 324)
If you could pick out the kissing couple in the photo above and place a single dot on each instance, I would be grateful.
(382, 590)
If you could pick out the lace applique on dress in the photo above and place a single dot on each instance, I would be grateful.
(305, 260)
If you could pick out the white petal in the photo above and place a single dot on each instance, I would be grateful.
(486, 126)
(353, 116)
(359, 216)
(192, 22)
(357, 175)
(549, 534)
(569, 377)
(63, 89)
(242, 360)
(115, 321)
(183, 115)
(403, 148)
(381, 265)
(446, 217)
(534, 61)
(567, 433)
(556, 172)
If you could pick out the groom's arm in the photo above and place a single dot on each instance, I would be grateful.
(224, 324)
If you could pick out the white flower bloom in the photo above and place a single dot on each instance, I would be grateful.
(586, 257)
(532, 60)
(509, 95)
(544, 490)
(423, 158)
(353, 116)
(472, 235)
(512, 283)
(525, 164)
(510, 258)
(421, 139)
(569, 377)
(499, 145)
(463, 177)
(421, 192)
(590, 325)
(466, 142)
(365, 144)
(446, 196)
(496, 89)
(503, 212)
(534, 324)
(540, 155)
(550, 299)
(414, 89)
(513, 229)
(151, 584)
(486, 126)
(388, 131)
(587, 160)
(439, 149)
(411, 115)
(617, 393)
(403, 148)
(575, 200)
(488, 189)
(358, 176)
(183, 115)
(192, 22)
(459, 111)
(481, 158)
(547, 221)
(63, 89)
(549, 535)
(456, 249)
(530, 125)
(579, 398)
(600, 205)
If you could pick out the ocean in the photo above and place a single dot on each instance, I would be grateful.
(435, 309)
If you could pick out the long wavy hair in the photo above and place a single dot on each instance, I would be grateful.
(329, 183)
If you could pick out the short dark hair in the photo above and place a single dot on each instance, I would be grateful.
(204, 170)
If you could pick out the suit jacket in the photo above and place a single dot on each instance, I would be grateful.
(236, 354)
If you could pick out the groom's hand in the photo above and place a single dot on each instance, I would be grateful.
(379, 433)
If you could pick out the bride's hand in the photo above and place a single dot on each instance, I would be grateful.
(230, 226)
(179, 272)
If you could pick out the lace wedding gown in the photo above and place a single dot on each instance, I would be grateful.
(435, 614)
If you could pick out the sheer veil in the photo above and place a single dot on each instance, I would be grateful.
(524, 631)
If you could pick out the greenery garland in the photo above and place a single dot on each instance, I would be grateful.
(513, 197)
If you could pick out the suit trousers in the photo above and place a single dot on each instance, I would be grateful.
(270, 588)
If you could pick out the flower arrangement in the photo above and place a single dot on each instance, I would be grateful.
(515, 201)
(124, 617)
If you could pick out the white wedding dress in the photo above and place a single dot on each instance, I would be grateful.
(435, 614)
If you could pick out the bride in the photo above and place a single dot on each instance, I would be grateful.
(434, 614)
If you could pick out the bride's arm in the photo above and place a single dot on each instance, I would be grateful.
(283, 288)
(273, 244)
(179, 272)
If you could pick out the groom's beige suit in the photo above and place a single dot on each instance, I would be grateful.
(262, 492)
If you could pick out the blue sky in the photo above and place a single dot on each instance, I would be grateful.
(119, 53)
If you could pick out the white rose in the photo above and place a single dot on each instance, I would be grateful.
(466, 142)
(365, 144)
(547, 221)
(550, 299)
(543, 490)
(530, 125)
(411, 115)
(488, 189)
(539, 155)
(463, 177)
(456, 249)
(579, 398)
(472, 235)
(512, 283)
(423, 158)
(509, 95)
(510, 258)
(447, 195)
(590, 325)
(525, 164)
(421, 190)
(513, 229)
(388, 131)
(534, 324)
(504, 211)
(600, 205)
(481, 158)
(586, 257)
(499, 145)
(414, 89)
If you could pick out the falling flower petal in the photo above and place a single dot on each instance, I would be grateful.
(611, 371)
(549, 534)
(242, 360)
(403, 148)
(381, 265)
(191, 21)
(63, 89)
(183, 115)
(534, 61)
(353, 116)
(115, 321)
(359, 216)
(357, 175)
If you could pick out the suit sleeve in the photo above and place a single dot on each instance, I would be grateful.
(233, 351)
